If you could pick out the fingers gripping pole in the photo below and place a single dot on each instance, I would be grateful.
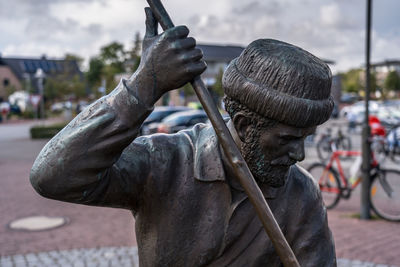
(239, 165)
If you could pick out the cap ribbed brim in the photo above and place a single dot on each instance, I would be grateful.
(268, 102)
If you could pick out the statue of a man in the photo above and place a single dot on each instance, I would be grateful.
(189, 210)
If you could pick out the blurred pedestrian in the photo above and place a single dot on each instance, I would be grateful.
(393, 139)
(5, 109)
(351, 118)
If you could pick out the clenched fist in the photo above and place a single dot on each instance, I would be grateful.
(169, 61)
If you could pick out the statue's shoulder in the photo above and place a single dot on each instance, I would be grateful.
(199, 132)
(302, 183)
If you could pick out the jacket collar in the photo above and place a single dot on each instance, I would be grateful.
(209, 163)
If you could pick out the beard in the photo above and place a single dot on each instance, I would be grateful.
(270, 172)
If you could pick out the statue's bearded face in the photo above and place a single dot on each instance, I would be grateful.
(270, 152)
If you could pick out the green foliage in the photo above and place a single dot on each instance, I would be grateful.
(93, 75)
(137, 46)
(10, 89)
(78, 59)
(112, 59)
(392, 81)
(373, 82)
(38, 132)
(187, 89)
(351, 81)
(217, 87)
(29, 113)
(133, 56)
(114, 55)
(59, 86)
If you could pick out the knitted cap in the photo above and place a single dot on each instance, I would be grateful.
(281, 82)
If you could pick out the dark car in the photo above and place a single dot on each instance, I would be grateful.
(181, 120)
(158, 114)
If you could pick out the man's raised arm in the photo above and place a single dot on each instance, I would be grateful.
(82, 160)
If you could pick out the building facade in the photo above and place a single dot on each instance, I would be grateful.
(19, 73)
(382, 69)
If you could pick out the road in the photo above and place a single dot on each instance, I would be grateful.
(88, 226)
(112, 230)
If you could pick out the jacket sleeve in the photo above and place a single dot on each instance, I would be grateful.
(85, 163)
(311, 238)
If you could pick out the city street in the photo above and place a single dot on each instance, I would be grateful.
(96, 236)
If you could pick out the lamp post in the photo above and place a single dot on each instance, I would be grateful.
(366, 148)
(40, 75)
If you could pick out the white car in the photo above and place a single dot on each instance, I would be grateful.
(359, 107)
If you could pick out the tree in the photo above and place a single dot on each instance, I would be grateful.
(187, 89)
(373, 83)
(59, 86)
(114, 56)
(217, 87)
(134, 54)
(137, 46)
(78, 59)
(351, 81)
(95, 72)
(77, 87)
(392, 81)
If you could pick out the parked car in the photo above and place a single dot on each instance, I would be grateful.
(158, 114)
(359, 107)
(348, 98)
(81, 105)
(57, 107)
(181, 120)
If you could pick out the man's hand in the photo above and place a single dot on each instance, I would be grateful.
(169, 61)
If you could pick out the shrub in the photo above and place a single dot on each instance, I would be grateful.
(38, 132)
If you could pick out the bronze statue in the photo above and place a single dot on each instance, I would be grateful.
(188, 209)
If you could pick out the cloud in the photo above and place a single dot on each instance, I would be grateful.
(331, 29)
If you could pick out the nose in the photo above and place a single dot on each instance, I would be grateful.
(296, 150)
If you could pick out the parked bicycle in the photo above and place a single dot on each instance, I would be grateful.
(329, 143)
(387, 146)
(334, 184)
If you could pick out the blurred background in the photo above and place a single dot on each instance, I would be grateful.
(58, 56)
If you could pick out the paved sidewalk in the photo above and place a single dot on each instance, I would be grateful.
(108, 256)
(105, 237)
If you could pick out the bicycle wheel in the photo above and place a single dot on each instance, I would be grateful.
(324, 149)
(328, 182)
(395, 154)
(385, 194)
(379, 150)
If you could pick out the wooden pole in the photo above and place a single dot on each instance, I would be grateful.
(239, 165)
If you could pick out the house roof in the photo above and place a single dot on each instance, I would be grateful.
(386, 63)
(20, 66)
(225, 53)
(220, 53)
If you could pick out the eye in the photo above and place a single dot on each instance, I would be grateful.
(283, 140)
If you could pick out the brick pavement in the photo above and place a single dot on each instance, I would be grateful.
(87, 227)
(108, 256)
(369, 242)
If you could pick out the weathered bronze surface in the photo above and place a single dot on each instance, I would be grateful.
(240, 169)
(189, 210)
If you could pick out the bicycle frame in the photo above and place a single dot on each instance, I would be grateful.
(335, 158)
(335, 185)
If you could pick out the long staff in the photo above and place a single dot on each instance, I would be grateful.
(239, 165)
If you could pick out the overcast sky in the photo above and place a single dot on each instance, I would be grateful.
(330, 29)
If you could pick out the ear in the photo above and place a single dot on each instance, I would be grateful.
(242, 125)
